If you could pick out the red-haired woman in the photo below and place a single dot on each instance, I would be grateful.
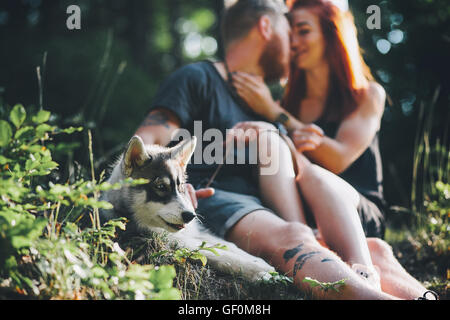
(332, 110)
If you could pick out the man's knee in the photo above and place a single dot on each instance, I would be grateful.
(264, 234)
(274, 155)
(286, 238)
(292, 234)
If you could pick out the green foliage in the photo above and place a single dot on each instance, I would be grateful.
(325, 286)
(434, 229)
(89, 264)
(274, 277)
(45, 252)
(182, 255)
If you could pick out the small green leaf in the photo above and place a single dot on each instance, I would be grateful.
(41, 117)
(18, 115)
(162, 278)
(325, 286)
(4, 160)
(71, 130)
(168, 294)
(42, 129)
(118, 223)
(103, 205)
(23, 131)
(199, 256)
(5, 133)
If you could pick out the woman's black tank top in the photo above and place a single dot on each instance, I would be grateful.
(366, 173)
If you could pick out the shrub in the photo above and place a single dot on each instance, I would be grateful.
(45, 253)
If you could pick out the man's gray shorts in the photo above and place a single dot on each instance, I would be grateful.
(224, 209)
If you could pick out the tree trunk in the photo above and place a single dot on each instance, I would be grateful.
(174, 14)
(218, 8)
(137, 35)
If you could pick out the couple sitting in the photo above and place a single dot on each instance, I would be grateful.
(331, 111)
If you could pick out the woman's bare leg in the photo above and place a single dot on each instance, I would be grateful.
(331, 201)
(395, 280)
(334, 206)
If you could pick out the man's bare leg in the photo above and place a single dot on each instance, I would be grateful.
(291, 248)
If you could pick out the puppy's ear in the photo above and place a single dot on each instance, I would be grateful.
(183, 151)
(135, 155)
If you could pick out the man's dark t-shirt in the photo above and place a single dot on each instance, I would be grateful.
(197, 92)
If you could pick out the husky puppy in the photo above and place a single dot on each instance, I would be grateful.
(162, 205)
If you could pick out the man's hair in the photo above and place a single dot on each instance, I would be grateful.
(243, 15)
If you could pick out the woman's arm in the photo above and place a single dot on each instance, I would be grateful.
(354, 135)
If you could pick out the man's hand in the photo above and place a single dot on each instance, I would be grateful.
(198, 194)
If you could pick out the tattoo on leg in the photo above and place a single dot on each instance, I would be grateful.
(289, 254)
(327, 260)
(302, 259)
(155, 119)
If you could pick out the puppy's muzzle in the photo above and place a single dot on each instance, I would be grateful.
(187, 216)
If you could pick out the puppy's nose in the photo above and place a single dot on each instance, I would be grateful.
(187, 216)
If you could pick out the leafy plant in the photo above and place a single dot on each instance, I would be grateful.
(274, 277)
(434, 231)
(325, 286)
(183, 254)
(45, 252)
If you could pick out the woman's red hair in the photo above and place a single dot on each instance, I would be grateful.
(348, 71)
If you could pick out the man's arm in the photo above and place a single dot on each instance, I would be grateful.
(158, 127)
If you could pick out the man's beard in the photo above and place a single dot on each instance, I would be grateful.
(270, 61)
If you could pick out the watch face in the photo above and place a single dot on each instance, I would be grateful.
(282, 118)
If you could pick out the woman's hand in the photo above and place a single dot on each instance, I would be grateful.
(308, 138)
(256, 94)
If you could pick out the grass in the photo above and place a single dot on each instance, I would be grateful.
(414, 255)
(197, 281)
(420, 235)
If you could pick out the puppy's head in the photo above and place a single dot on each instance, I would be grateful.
(163, 202)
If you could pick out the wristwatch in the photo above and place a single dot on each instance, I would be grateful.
(282, 118)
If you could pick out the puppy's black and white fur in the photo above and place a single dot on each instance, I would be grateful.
(162, 205)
